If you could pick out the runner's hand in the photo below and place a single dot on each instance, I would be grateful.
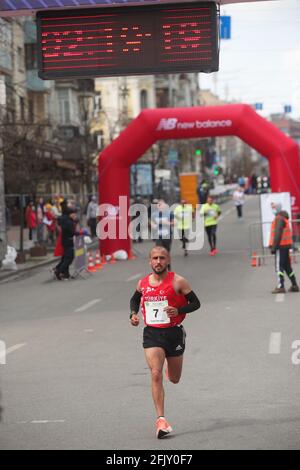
(134, 320)
(171, 311)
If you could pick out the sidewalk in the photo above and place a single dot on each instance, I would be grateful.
(30, 263)
(13, 237)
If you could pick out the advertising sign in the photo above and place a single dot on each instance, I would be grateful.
(267, 202)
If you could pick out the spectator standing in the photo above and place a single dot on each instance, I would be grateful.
(280, 243)
(91, 216)
(40, 220)
(67, 223)
(31, 221)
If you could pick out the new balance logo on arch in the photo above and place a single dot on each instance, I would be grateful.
(167, 124)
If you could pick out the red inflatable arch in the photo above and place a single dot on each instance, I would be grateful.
(185, 123)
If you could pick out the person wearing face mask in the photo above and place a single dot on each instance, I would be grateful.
(280, 243)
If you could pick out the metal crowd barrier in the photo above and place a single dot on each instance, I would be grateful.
(260, 254)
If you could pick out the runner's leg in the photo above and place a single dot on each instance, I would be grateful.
(174, 368)
(155, 358)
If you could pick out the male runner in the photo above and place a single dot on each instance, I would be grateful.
(165, 298)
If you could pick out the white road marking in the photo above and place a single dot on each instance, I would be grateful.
(275, 343)
(88, 305)
(3, 353)
(88, 330)
(15, 347)
(279, 297)
(135, 276)
(46, 421)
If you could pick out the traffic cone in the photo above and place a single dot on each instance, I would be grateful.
(98, 264)
(131, 255)
(254, 259)
(112, 260)
(91, 266)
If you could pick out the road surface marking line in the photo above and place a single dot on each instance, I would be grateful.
(279, 297)
(15, 347)
(132, 278)
(88, 330)
(46, 421)
(275, 343)
(88, 305)
(3, 353)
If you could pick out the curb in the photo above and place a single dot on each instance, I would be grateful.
(7, 274)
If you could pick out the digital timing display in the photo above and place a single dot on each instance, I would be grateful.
(128, 41)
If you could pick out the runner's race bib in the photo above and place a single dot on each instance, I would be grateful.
(155, 314)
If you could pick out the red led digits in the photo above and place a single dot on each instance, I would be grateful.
(128, 40)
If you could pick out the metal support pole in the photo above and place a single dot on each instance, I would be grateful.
(3, 236)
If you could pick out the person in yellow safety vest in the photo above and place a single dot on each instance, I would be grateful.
(280, 243)
(183, 214)
(211, 213)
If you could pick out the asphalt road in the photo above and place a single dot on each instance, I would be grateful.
(75, 375)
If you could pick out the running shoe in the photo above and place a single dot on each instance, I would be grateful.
(279, 290)
(294, 288)
(216, 251)
(162, 428)
(212, 253)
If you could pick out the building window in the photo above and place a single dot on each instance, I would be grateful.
(30, 110)
(31, 56)
(97, 102)
(100, 140)
(22, 108)
(144, 99)
(64, 106)
(20, 59)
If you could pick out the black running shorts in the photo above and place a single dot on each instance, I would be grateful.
(171, 339)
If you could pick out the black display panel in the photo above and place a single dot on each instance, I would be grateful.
(128, 41)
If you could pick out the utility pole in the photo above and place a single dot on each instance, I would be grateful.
(3, 240)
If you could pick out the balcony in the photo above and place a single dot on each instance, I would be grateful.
(5, 62)
(34, 83)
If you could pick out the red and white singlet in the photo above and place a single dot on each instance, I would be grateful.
(155, 298)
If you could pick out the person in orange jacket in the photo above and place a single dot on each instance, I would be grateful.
(281, 242)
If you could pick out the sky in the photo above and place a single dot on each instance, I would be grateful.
(261, 61)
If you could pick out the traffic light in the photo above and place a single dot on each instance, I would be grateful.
(216, 170)
(198, 152)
